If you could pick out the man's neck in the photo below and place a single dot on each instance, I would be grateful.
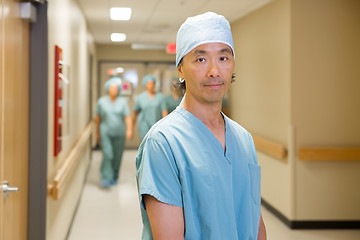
(208, 113)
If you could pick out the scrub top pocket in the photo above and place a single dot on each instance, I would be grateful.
(255, 182)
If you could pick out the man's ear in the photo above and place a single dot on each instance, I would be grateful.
(179, 69)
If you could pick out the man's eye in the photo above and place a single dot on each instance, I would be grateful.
(201, 60)
(223, 58)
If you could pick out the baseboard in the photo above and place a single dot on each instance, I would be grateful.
(318, 224)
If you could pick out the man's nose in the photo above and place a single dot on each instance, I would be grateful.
(214, 69)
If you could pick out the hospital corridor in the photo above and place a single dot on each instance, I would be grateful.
(244, 115)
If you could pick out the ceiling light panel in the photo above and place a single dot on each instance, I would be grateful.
(120, 13)
(118, 37)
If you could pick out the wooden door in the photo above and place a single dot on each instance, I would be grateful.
(14, 119)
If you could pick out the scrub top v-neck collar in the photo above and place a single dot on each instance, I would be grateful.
(199, 124)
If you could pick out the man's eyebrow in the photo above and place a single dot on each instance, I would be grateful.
(226, 50)
(199, 52)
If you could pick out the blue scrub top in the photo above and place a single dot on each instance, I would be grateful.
(171, 103)
(150, 111)
(112, 115)
(180, 162)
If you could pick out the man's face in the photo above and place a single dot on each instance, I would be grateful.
(207, 70)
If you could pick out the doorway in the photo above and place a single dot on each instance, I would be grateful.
(14, 121)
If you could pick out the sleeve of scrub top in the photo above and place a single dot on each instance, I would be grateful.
(158, 174)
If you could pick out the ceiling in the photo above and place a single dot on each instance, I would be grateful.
(155, 22)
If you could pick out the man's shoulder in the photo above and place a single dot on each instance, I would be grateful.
(168, 126)
(239, 129)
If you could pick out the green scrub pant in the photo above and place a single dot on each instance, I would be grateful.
(112, 149)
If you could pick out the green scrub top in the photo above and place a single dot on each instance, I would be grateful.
(150, 111)
(171, 103)
(112, 114)
(180, 162)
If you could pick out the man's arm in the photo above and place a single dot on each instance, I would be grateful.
(262, 230)
(167, 221)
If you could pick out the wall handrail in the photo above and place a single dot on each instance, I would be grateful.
(329, 153)
(60, 181)
(269, 147)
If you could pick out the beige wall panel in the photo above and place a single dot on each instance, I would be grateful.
(275, 183)
(68, 29)
(328, 191)
(325, 95)
(325, 71)
(124, 52)
(260, 96)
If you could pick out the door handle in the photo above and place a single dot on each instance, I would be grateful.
(7, 189)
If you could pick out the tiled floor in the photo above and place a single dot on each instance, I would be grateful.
(114, 213)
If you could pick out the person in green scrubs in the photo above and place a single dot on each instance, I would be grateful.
(113, 123)
(149, 106)
(174, 98)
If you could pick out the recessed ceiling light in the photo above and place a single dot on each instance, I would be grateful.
(118, 37)
(119, 13)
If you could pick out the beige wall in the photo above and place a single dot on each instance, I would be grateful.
(260, 96)
(297, 84)
(325, 104)
(124, 52)
(68, 29)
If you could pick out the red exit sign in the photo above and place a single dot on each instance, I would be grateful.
(171, 48)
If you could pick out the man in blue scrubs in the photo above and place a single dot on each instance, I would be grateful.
(197, 170)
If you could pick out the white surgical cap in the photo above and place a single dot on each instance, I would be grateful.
(204, 28)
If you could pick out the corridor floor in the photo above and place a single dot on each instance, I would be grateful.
(114, 214)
